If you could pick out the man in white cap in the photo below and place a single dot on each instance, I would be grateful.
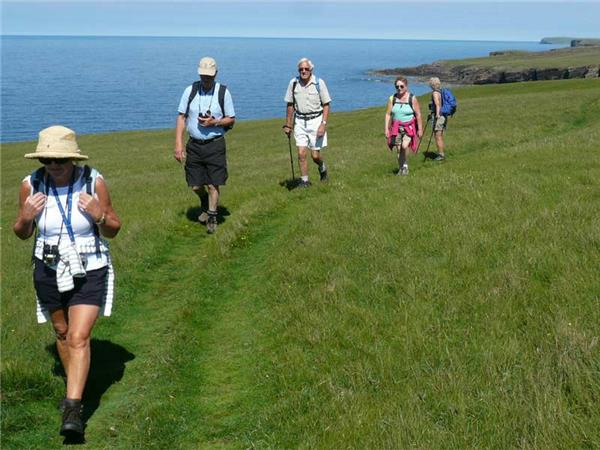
(206, 111)
(308, 100)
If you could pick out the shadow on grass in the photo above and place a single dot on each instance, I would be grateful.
(193, 213)
(290, 184)
(107, 368)
(429, 155)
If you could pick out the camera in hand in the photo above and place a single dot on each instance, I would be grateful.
(206, 115)
(50, 254)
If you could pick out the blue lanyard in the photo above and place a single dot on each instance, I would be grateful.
(66, 217)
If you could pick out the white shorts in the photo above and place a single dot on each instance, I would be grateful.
(305, 133)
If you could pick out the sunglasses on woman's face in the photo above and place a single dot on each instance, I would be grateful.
(399, 86)
(48, 161)
(304, 69)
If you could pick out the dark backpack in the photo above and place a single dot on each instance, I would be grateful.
(89, 177)
(317, 85)
(449, 103)
(395, 100)
(39, 176)
(221, 97)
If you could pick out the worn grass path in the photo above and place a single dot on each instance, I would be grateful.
(454, 308)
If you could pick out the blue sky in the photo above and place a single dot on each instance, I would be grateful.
(470, 20)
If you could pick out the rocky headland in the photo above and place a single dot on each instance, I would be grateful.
(573, 42)
(510, 67)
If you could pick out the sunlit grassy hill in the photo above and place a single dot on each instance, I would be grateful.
(457, 307)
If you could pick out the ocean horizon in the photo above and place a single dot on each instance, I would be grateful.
(260, 37)
(99, 84)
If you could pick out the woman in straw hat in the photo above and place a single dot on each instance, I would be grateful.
(70, 207)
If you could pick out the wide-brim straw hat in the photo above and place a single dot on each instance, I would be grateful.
(57, 142)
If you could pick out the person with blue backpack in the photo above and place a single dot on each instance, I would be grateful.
(442, 106)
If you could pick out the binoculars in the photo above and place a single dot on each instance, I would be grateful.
(50, 254)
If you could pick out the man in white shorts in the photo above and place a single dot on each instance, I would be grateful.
(308, 102)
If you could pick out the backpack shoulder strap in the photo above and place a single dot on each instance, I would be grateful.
(410, 100)
(193, 92)
(37, 176)
(89, 178)
(222, 90)
(318, 86)
(294, 93)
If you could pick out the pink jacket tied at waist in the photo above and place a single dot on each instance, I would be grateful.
(410, 128)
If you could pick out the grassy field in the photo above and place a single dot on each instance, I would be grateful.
(458, 307)
(519, 60)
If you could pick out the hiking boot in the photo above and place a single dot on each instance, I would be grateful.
(323, 176)
(203, 217)
(72, 425)
(439, 158)
(211, 224)
(303, 184)
(403, 171)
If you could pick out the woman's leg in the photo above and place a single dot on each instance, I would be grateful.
(59, 323)
(439, 142)
(402, 152)
(81, 321)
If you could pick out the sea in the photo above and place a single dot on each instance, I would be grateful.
(105, 84)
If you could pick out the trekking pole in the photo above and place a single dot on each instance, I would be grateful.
(291, 157)
(424, 130)
(429, 143)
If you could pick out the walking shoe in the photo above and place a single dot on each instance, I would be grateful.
(403, 171)
(72, 424)
(439, 158)
(211, 224)
(303, 184)
(203, 217)
(323, 175)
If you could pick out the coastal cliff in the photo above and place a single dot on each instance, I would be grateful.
(510, 67)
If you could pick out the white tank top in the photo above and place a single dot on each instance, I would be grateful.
(51, 228)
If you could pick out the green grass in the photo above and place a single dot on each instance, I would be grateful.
(521, 60)
(457, 307)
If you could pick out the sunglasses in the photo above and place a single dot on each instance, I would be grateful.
(303, 69)
(400, 86)
(48, 161)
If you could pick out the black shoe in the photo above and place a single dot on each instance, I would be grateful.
(303, 184)
(323, 175)
(72, 425)
(211, 224)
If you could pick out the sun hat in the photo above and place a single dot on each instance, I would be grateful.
(207, 66)
(57, 142)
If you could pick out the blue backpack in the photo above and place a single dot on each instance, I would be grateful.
(449, 103)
